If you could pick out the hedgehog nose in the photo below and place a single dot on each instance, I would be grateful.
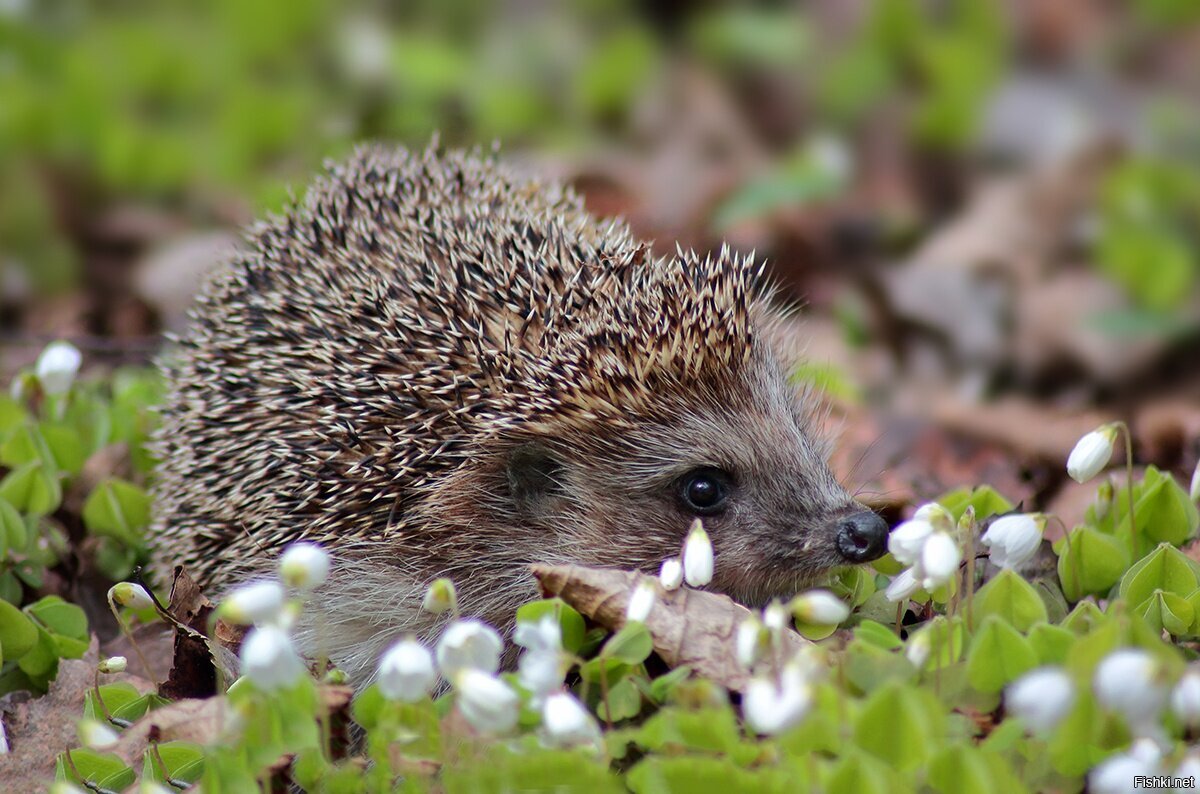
(862, 537)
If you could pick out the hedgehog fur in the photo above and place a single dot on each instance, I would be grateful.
(434, 367)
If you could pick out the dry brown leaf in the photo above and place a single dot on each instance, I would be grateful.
(38, 729)
(689, 627)
(194, 668)
(190, 720)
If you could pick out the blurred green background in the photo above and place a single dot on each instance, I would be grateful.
(847, 142)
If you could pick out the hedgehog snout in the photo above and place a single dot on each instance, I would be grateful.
(861, 537)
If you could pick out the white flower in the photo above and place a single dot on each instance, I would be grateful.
(1092, 453)
(1128, 681)
(440, 597)
(113, 664)
(151, 787)
(304, 566)
(1014, 539)
(934, 514)
(776, 617)
(1117, 773)
(566, 723)
(269, 660)
(820, 607)
(906, 541)
(1189, 767)
(671, 574)
(57, 367)
(1194, 491)
(257, 602)
(540, 668)
(1041, 698)
(904, 585)
(641, 602)
(830, 155)
(772, 706)
(918, 647)
(750, 641)
(406, 671)
(940, 557)
(64, 787)
(486, 702)
(697, 556)
(1185, 698)
(128, 594)
(96, 734)
(468, 644)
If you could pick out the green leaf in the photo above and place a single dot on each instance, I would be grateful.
(13, 534)
(103, 770)
(59, 617)
(960, 770)
(119, 510)
(1051, 643)
(183, 761)
(1163, 610)
(624, 700)
(1084, 618)
(114, 696)
(631, 645)
(867, 666)
(879, 635)
(18, 634)
(986, 501)
(898, 725)
(1165, 568)
(998, 655)
(1090, 563)
(675, 730)
(1163, 511)
(570, 622)
(662, 687)
(1011, 598)
(856, 772)
(32, 488)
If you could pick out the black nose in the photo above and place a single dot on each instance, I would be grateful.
(862, 537)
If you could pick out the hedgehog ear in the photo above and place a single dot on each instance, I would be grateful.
(533, 476)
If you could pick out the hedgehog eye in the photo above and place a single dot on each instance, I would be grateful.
(704, 491)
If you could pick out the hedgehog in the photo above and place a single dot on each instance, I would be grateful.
(433, 366)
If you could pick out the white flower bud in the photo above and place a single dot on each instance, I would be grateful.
(304, 566)
(641, 602)
(1092, 453)
(540, 669)
(128, 594)
(776, 617)
(566, 723)
(269, 660)
(935, 515)
(468, 644)
(751, 640)
(1014, 539)
(64, 787)
(1185, 698)
(671, 574)
(1129, 682)
(1041, 698)
(1117, 773)
(902, 586)
(257, 602)
(918, 648)
(1194, 491)
(57, 367)
(772, 706)
(906, 541)
(940, 557)
(440, 597)
(486, 702)
(406, 671)
(96, 734)
(113, 664)
(697, 556)
(819, 607)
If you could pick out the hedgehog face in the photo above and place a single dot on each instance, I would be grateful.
(742, 460)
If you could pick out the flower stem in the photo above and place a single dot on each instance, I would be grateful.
(1124, 428)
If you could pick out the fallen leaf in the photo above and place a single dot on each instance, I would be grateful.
(37, 729)
(194, 667)
(689, 627)
(190, 720)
